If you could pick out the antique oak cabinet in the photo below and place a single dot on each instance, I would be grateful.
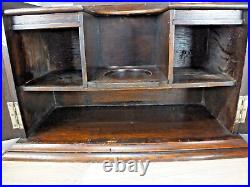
(133, 81)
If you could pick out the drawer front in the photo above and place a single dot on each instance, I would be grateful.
(208, 17)
(43, 21)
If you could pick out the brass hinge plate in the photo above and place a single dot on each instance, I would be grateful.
(242, 109)
(15, 115)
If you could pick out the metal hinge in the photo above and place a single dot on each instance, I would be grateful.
(242, 109)
(15, 115)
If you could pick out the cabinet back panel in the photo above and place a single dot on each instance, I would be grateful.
(206, 47)
(142, 97)
(126, 41)
(190, 46)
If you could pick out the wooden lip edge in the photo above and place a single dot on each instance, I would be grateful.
(163, 87)
(45, 26)
(151, 156)
(129, 148)
(87, 9)
(152, 11)
(42, 10)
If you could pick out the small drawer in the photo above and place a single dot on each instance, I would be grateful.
(208, 17)
(45, 21)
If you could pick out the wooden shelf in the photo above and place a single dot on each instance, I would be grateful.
(97, 78)
(56, 80)
(193, 77)
(72, 81)
(80, 134)
(131, 124)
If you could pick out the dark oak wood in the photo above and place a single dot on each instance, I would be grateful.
(230, 143)
(132, 41)
(9, 93)
(150, 77)
(232, 61)
(58, 78)
(131, 124)
(193, 76)
(129, 97)
(152, 156)
(156, 81)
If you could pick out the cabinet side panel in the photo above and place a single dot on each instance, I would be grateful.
(7, 131)
(8, 93)
(229, 49)
(33, 107)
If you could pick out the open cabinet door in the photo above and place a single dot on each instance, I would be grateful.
(12, 126)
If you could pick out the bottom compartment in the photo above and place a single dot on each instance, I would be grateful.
(128, 124)
(154, 133)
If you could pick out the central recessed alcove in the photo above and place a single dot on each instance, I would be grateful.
(127, 49)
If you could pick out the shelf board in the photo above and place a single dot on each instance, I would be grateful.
(99, 80)
(61, 80)
(200, 78)
(130, 124)
(72, 81)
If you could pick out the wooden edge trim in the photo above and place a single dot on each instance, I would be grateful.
(111, 12)
(45, 26)
(152, 156)
(205, 6)
(109, 9)
(114, 87)
(129, 148)
(208, 22)
(42, 10)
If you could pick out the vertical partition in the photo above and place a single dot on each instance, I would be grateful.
(171, 46)
(82, 49)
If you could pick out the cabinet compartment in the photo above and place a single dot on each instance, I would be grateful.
(202, 54)
(131, 124)
(155, 84)
(127, 46)
(48, 58)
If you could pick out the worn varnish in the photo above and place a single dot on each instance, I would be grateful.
(144, 81)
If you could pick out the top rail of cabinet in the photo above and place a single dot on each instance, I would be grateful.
(128, 9)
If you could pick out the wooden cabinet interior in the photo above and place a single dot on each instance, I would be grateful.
(124, 75)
